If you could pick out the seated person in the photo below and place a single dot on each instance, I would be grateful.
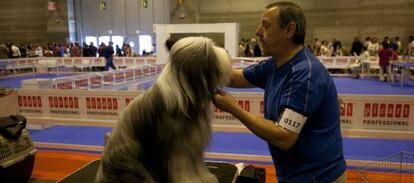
(362, 62)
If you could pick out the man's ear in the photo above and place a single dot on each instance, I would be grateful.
(290, 29)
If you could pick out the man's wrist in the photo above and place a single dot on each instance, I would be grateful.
(236, 111)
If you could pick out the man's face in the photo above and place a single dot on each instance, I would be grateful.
(271, 35)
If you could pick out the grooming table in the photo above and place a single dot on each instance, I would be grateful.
(225, 172)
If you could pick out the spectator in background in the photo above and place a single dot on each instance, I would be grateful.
(47, 52)
(394, 56)
(92, 50)
(337, 48)
(108, 53)
(118, 51)
(393, 44)
(56, 50)
(4, 51)
(85, 50)
(61, 50)
(399, 45)
(384, 62)
(74, 50)
(257, 51)
(367, 41)
(242, 45)
(325, 51)
(101, 49)
(31, 49)
(38, 51)
(316, 47)
(356, 47)
(361, 63)
(248, 52)
(67, 50)
(23, 50)
(9, 53)
(410, 47)
(128, 51)
(15, 51)
(386, 40)
(373, 47)
(124, 48)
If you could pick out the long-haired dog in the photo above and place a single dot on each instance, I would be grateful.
(161, 134)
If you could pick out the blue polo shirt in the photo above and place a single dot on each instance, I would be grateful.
(305, 86)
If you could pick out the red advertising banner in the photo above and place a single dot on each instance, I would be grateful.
(39, 101)
(76, 102)
(109, 103)
(20, 100)
(115, 103)
(261, 107)
(88, 103)
(375, 110)
(349, 108)
(406, 111)
(390, 110)
(98, 103)
(247, 105)
(93, 103)
(56, 101)
(398, 110)
(103, 103)
(71, 102)
(382, 109)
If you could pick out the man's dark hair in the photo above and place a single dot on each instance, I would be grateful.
(291, 12)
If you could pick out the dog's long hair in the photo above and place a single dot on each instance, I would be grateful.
(161, 134)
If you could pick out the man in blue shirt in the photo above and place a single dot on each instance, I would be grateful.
(301, 115)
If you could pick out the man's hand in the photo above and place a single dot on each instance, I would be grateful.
(225, 101)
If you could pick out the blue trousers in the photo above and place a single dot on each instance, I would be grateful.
(109, 63)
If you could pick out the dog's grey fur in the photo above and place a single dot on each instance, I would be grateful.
(161, 134)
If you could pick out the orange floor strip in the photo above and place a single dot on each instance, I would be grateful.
(55, 165)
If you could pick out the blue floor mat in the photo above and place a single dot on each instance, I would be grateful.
(226, 142)
(344, 85)
(15, 82)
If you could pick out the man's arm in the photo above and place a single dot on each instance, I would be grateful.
(237, 79)
(265, 129)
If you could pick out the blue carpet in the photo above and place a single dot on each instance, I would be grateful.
(80, 135)
(226, 142)
(372, 87)
(344, 85)
(374, 149)
(16, 82)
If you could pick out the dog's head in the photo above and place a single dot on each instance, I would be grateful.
(195, 69)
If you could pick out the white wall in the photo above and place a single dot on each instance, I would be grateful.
(230, 30)
(122, 17)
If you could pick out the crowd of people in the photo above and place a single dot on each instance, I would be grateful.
(12, 50)
(250, 47)
(247, 48)
(371, 44)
